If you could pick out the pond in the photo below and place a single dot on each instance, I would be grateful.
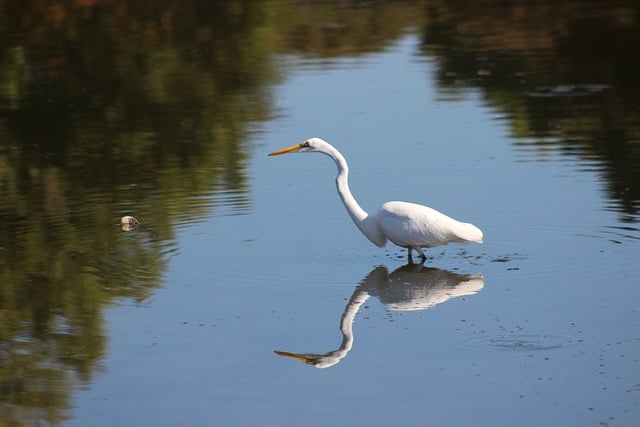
(522, 119)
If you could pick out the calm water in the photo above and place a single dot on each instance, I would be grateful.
(524, 120)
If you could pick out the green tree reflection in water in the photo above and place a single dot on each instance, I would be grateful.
(106, 109)
(563, 73)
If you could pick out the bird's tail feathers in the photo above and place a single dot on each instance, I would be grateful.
(470, 233)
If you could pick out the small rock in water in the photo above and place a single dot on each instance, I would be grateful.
(128, 223)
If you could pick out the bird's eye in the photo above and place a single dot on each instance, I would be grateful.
(304, 144)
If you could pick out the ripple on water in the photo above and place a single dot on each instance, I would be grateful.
(519, 342)
(568, 90)
(284, 253)
(550, 250)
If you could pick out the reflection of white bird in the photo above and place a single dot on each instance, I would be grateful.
(408, 225)
(334, 357)
(411, 287)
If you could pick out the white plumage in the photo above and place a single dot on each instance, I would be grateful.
(408, 225)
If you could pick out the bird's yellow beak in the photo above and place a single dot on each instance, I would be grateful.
(293, 356)
(286, 150)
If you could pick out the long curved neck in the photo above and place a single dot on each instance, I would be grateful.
(360, 217)
(342, 184)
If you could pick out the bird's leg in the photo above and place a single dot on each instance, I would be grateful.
(423, 257)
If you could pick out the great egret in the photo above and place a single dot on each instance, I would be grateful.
(408, 225)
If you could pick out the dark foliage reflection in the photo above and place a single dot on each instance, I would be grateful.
(564, 73)
(109, 109)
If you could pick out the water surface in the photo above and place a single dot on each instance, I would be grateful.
(521, 119)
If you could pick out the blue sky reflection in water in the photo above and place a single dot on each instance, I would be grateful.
(547, 334)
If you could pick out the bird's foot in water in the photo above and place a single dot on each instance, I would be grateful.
(423, 257)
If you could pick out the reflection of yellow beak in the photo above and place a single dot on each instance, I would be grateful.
(294, 356)
(285, 150)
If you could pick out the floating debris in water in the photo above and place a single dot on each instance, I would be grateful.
(128, 223)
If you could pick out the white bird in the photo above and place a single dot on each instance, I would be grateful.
(407, 225)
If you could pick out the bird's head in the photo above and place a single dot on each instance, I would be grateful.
(309, 146)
